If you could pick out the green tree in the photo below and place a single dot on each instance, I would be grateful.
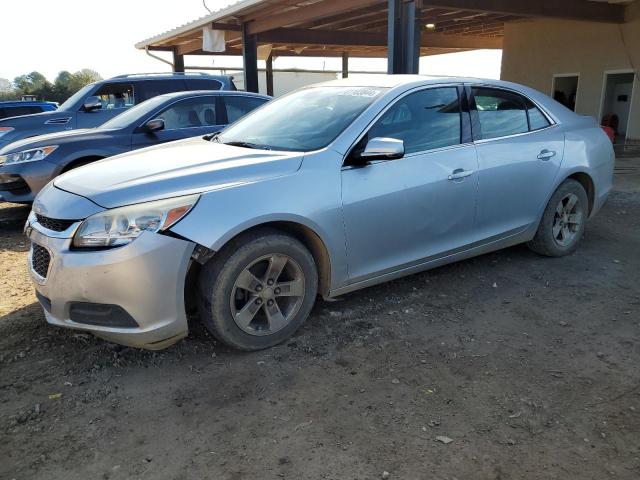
(62, 86)
(34, 83)
(84, 77)
(6, 90)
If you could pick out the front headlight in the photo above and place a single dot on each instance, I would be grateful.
(120, 226)
(31, 155)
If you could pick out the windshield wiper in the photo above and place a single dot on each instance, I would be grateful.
(212, 137)
(247, 145)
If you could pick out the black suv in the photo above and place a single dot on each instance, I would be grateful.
(98, 102)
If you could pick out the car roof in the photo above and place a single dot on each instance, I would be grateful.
(164, 76)
(391, 81)
(198, 93)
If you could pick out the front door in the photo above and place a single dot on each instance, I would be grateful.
(400, 213)
(519, 153)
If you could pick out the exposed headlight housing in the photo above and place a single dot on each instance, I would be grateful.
(120, 226)
(30, 155)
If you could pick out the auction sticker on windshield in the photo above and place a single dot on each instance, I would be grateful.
(360, 92)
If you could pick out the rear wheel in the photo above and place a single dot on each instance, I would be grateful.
(563, 222)
(257, 291)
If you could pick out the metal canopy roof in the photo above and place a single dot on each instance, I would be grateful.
(359, 27)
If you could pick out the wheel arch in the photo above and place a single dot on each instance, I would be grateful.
(587, 183)
(307, 235)
(309, 238)
(81, 161)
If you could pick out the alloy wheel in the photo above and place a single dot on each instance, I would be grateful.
(567, 220)
(267, 294)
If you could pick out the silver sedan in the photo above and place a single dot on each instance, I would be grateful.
(327, 190)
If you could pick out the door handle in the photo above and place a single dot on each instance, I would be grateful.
(459, 173)
(546, 154)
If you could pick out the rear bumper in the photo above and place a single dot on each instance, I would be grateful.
(144, 279)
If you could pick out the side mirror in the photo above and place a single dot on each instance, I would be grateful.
(381, 148)
(91, 104)
(154, 125)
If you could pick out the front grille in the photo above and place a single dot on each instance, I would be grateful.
(40, 259)
(54, 224)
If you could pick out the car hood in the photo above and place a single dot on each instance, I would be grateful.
(34, 118)
(178, 168)
(57, 138)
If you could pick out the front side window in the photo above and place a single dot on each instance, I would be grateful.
(500, 113)
(190, 113)
(116, 95)
(305, 120)
(424, 120)
(238, 106)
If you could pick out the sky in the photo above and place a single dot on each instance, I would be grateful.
(55, 35)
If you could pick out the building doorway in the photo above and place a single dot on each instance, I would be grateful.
(565, 89)
(616, 102)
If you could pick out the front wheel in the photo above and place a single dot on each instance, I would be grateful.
(258, 290)
(563, 221)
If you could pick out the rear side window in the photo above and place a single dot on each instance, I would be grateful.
(152, 88)
(537, 120)
(190, 113)
(238, 106)
(116, 95)
(424, 120)
(500, 113)
(203, 84)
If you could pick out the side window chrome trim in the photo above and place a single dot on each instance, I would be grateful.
(487, 140)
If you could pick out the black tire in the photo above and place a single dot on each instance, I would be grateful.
(218, 279)
(545, 242)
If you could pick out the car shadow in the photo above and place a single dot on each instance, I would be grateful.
(12, 219)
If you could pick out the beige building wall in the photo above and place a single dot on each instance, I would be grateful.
(535, 50)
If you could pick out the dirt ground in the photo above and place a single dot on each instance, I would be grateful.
(529, 365)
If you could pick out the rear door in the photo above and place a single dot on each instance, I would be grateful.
(116, 98)
(519, 153)
(189, 117)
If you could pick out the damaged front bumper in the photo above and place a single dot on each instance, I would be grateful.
(132, 295)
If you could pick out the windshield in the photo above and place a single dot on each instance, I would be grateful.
(305, 120)
(73, 99)
(134, 114)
